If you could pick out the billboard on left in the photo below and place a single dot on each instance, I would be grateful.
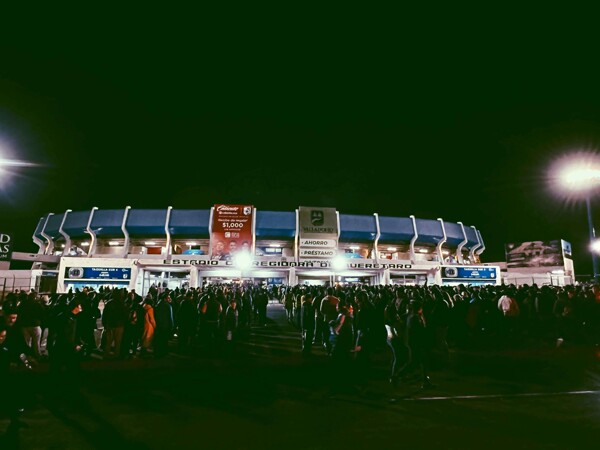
(5, 247)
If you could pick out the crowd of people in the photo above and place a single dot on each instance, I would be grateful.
(349, 324)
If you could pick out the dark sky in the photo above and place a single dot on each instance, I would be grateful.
(451, 116)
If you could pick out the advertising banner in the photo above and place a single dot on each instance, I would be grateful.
(318, 232)
(534, 254)
(5, 247)
(231, 231)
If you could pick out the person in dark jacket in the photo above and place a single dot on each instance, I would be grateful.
(165, 325)
(187, 318)
(12, 383)
(114, 318)
(418, 343)
(66, 343)
(31, 315)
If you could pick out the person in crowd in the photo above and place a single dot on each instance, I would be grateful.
(88, 320)
(231, 321)
(149, 326)
(329, 311)
(594, 315)
(261, 301)
(114, 318)
(134, 326)
(187, 320)
(418, 344)
(13, 389)
(165, 325)
(307, 323)
(288, 304)
(364, 325)
(509, 306)
(31, 316)
(342, 341)
(211, 311)
(396, 332)
(65, 357)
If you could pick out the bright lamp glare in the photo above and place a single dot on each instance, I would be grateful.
(595, 246)
(242, 260)
(575, 176)
(15, 163)
(338, 263)
(579, 177)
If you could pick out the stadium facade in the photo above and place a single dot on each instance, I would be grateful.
(137, 248)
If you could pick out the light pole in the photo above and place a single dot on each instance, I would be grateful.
(588, 203)
(581, 177)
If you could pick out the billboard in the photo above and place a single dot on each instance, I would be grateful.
(231, 231)
(536, 254)
(318, 232)
(5, 247)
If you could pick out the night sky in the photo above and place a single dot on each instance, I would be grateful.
(396, 114)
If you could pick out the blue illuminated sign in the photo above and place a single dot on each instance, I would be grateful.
(98, 273)
(469, 273)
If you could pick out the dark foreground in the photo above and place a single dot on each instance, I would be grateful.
(265, 396)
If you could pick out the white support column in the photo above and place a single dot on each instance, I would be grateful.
(386, 278)
(37, 241)
(459, 255)
(89, 231)
(413, 240)
(49, 241)
(125, 232)
(135, 271)
(253, 247)
(376, 242)
(65, 235)
(210, 243)
(339, 228)
(438, 248)
(472, 250)
(482, 247)
(194, 277)
(297, 237)
(168, 233)
(292, 278)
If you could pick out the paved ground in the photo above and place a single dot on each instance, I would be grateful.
(265, 395)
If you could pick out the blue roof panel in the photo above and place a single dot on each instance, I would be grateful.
(472, 238)
(395, 229)
(429, 231)
(189, 223)
(275, 225)
(146, 222)
(40, 227)
(454, 234)
(107, 222)
(76, 224)
(354, 228)
(53, 226)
